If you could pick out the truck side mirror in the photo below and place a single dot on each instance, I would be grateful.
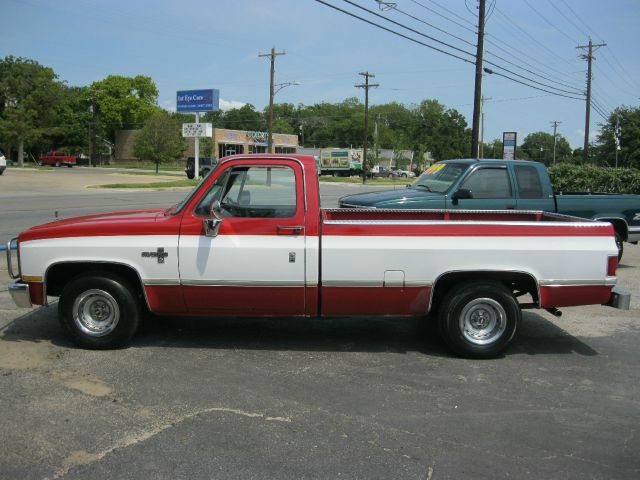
(461, 193)
(212, 224)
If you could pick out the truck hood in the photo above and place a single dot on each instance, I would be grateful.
(407, 198)
(131, 222)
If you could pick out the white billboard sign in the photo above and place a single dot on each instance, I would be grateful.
(191, 130)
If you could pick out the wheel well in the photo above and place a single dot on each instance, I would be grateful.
(620, 226)
(60, 274)
(514, 281)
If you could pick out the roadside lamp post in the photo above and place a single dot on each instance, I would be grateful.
(276, 88)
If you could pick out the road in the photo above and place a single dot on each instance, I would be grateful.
(288, 399)
(31, 197)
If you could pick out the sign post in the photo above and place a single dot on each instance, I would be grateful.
(197, 101)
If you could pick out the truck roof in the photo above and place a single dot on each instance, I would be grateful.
(487, 160)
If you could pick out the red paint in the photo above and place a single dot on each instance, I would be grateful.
(36, 293)
(192, 224)
(244, 301)
(612, 265)
(136, 222)
(470, 230)
(572, 295)
(165, 299)
(311, 301)
(375, 300)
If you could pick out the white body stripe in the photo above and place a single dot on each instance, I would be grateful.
(362, 260)
(346, 260)
(243, 259)
(37, 256)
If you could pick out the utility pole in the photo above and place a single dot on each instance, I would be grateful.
(482, 100)
(273, 54)
(478, 86)
(366, 87)
(589, 58)
(555, 124)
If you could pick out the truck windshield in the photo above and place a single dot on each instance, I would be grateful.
(177, 208)
(438, 178)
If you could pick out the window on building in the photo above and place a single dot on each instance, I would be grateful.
(257, 149)
(285, 150)
(226, 149)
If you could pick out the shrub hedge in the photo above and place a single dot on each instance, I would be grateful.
(586, 178)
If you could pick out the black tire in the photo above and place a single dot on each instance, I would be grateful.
(69, 166)
(620, 245)
(190, 175)
(90, 296)
(470, 305)
(404, 175)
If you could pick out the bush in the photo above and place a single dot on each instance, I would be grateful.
(585, 178)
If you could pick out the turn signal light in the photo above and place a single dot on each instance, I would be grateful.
(612, 265)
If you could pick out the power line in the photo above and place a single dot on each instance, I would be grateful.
(394, 32)
(580, 19)
(580, 30)
(488, 62)
(549, 22)
(488, 52)
(472, 30)
(451, 12)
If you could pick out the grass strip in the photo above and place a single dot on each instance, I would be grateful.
(171, 184)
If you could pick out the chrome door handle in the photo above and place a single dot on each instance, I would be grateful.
(286, 230)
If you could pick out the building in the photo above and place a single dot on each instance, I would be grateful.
(225, 142)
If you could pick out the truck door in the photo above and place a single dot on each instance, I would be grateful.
(255, 265)
(533, 193)
(486, 187)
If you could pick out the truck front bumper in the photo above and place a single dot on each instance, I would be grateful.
(20, 294)
(620, 298)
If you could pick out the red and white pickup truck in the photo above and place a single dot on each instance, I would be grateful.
(57, 159)
(251, 240)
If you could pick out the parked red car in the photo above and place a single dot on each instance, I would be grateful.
(57, 159)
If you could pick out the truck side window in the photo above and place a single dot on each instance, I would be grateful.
(260, 192)
(489, 183)
(528, 182)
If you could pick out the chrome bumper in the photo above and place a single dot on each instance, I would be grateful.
(620, 298)
(20, 294)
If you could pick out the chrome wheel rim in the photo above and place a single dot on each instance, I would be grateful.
(96, 313)
(483, 321)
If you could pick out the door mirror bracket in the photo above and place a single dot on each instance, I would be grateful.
(212, 224)
(461, 193)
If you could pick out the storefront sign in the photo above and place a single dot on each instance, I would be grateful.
(198, 100)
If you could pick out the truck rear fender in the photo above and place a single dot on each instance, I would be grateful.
(620, 225)
(519, 282)
(59, 274)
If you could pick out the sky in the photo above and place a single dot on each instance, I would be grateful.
(198, 44)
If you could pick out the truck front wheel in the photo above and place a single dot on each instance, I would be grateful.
(479, 319)
(100, 311)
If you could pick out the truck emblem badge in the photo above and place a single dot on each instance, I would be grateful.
(292, 257)
(636, 217)
(160, 254)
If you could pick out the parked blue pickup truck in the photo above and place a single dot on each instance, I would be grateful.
(470, 184)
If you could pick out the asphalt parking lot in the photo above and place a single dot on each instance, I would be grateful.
(341, 398)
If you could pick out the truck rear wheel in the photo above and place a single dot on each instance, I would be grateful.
(99, 310)
(479, 319)
(58, 163)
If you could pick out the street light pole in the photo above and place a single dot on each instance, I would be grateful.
(273, 54)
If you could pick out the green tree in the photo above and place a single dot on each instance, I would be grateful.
(629, 153)
(243, 118)
(443, 131)
(538, 146)
(123, 102)
(160, 140)
(29, 95)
